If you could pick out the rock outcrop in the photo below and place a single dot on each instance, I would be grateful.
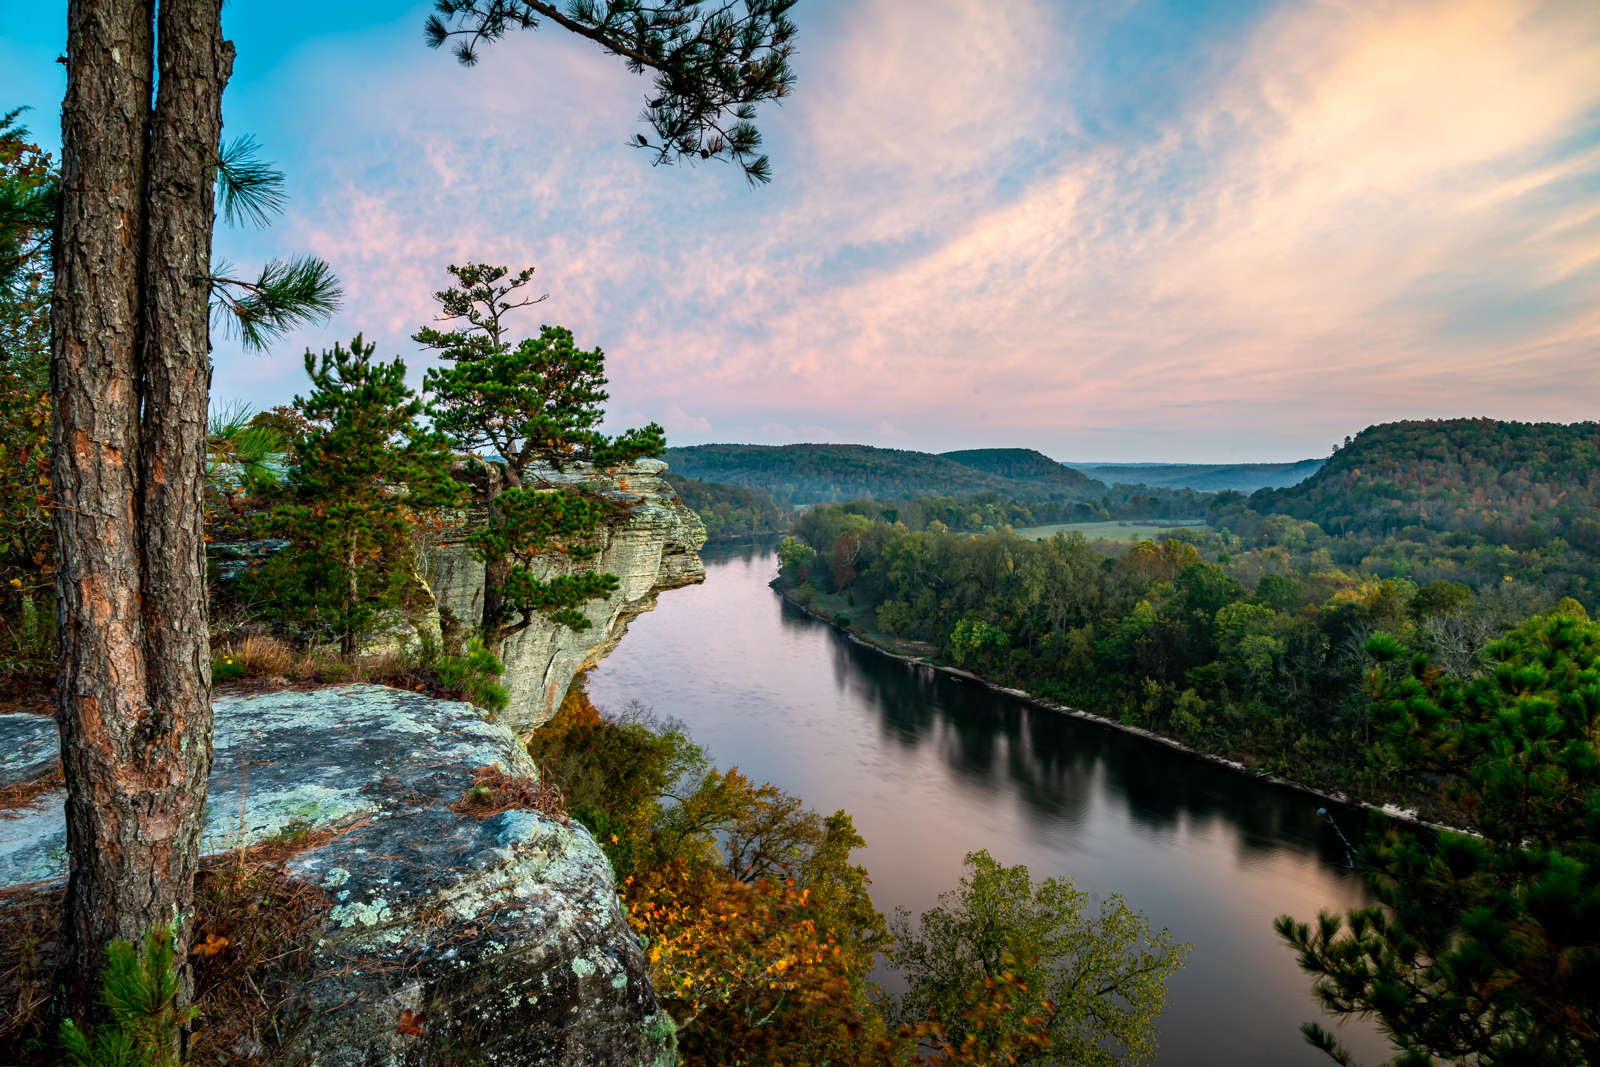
(503, 938)
(653, 547)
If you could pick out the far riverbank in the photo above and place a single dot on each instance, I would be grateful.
(1418, 812)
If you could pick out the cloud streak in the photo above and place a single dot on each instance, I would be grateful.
(1354, 213)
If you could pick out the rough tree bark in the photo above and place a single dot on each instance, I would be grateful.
(130, 376)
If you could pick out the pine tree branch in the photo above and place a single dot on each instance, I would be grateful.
(711, 66)
(286, 295)
(247, 188)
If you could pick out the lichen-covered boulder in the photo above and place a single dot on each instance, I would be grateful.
(653, 546)
(450, 939)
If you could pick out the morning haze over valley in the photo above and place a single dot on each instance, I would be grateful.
(893, 533)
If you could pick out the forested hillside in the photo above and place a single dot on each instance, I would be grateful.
(1023, 464)
(805, 474)
(1495, 479)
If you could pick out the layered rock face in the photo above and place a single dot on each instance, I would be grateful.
(654, 547)
(503, 938)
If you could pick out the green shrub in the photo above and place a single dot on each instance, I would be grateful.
(227, 669)
(473, 676)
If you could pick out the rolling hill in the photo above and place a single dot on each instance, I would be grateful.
(1022, 464)
(805, 473)
(1478, 476)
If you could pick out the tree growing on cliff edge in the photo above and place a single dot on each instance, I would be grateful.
(1483, 949)
(347, 517)
(130, 348)
(533, 407)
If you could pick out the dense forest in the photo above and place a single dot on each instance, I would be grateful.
(1506, 481)
(728, 510)
(1247, 638)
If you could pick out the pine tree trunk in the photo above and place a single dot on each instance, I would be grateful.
(495, 570)
(494, 627)
(130, 377)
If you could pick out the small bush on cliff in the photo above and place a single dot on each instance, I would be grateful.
(528, 411)
(473, 675)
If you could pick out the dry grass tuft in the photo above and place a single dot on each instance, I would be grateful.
(24, 794)
(493, 791)
(259, 654)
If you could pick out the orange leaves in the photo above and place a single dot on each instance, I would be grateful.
(743, 944)
(212, 946)
(411, 1023)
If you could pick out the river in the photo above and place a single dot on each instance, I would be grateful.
(932, 767)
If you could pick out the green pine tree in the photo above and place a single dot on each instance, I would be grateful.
(364, 469)
(529, 410)
(1485, 949)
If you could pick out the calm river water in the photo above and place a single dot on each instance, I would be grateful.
(932, 768)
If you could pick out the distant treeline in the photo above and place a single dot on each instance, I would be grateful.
(990, 512)
(797, 475)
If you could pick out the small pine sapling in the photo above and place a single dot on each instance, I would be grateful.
(140, 990)
(528, 411)
(363, 469)
(473, 675)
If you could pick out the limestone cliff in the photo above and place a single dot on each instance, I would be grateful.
(653, 546)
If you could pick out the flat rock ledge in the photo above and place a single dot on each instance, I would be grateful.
(503, 939)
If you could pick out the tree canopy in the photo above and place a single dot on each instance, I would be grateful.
(1099, 980)
(1483, 949)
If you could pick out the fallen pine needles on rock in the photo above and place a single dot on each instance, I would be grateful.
(24, 794)
(493, 791)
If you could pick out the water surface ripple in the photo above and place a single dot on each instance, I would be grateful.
(932, 767)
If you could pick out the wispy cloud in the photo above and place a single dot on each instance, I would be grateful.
(1353, 213)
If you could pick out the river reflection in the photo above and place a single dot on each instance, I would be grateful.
(933, 767)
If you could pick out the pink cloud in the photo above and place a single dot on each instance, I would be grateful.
(1365, 212)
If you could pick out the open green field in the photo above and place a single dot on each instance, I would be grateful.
(1103, 531)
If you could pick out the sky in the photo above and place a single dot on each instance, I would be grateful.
(1130, 230)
